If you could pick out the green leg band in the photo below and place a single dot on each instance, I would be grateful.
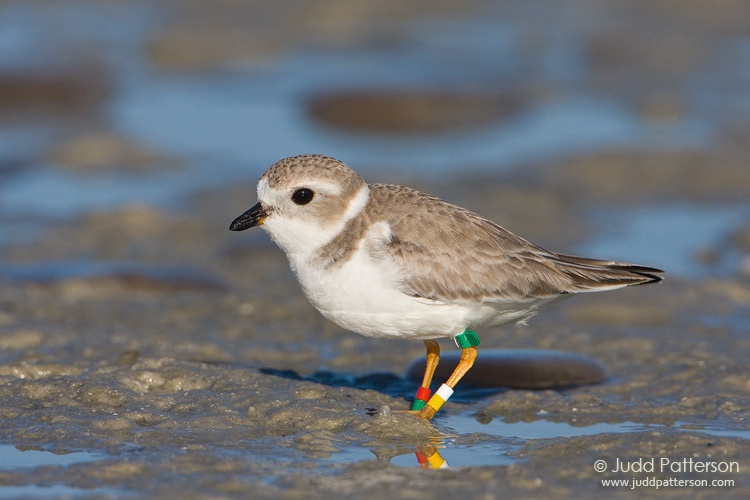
(467, 339)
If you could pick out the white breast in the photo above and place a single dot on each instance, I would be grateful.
(364, 296)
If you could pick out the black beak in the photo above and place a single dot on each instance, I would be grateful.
(253, 217)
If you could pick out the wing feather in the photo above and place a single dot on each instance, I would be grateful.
(449, 254)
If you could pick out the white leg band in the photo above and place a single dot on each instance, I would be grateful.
(444, 392)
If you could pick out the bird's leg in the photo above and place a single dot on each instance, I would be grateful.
(468, 341)
(429, 457)
(433, 356)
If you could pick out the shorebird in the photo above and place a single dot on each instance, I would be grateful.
(388, 261)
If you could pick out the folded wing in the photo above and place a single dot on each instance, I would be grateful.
(472, 259)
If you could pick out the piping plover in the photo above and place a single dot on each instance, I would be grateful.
(388, 261)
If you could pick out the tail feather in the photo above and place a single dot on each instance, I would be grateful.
(591, 275)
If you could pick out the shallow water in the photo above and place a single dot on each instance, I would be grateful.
(13, 458)
(231, 124)
(672, 235)
(470, 442)
(61, 491)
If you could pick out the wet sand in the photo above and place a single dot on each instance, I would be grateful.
(168, 357)
(217, 373)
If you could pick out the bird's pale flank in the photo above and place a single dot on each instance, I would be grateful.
(388, 261)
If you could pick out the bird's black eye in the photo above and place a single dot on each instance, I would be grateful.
(303, 196)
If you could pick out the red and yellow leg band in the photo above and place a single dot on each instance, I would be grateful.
(436, 461)
(440, 397)
(423, 394)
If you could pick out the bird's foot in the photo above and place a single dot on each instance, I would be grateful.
(427, 412)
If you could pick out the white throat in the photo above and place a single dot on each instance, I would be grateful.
(300, 239)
